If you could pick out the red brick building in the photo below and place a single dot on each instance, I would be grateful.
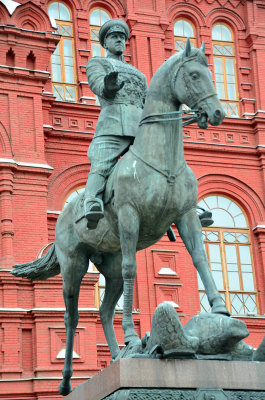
(47, 120)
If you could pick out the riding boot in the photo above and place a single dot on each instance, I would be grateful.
(93, 204)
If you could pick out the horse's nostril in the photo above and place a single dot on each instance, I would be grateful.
(217, 114)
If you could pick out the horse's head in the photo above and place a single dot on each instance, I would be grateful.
(192, 85)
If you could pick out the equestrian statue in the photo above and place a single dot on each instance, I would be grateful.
(148, 189)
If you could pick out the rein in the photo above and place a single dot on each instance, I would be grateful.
(190, 119)
(165, 117)
(175, 116)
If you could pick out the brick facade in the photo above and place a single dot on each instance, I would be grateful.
(43, 145)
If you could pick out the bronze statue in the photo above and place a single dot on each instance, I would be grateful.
(150, 188)
(121, 90)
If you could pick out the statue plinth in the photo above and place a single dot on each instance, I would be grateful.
(178, 379)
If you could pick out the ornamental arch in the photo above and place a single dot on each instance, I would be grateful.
(239, 191)
(5, 142)
(64, 183)
(189, 12)
(115, 8)
(74, 5)
(29, 16)
(226, 16)
(4, 15)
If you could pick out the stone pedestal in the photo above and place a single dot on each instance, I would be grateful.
(175, 379)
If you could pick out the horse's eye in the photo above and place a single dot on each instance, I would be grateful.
(194, 75)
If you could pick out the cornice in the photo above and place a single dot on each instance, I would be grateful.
(12, 163)
(259, 230)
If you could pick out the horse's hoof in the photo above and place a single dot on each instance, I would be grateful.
(65, 388)
(132, 339)
(220, 309)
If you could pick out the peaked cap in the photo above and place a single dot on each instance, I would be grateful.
(113, 25)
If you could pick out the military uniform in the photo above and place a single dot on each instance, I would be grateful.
(119, 117)
(121, 108)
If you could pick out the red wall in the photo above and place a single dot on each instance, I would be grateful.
(43, 158)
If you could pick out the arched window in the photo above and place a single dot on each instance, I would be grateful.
(100, 285)
(73, 194)
(63, 59)
(182, 30)
(225, 69)
(98, 17)
(228, 247)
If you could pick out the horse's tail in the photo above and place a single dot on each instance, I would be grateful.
(40, 269)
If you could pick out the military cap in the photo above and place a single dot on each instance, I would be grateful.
(113, 25)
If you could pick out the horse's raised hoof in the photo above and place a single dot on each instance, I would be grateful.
(220, 309)
(65, 388)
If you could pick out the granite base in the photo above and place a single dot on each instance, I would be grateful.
(131, 379)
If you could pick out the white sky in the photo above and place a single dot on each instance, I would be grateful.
(10, 5)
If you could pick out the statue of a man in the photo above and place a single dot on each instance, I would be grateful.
(121, 90)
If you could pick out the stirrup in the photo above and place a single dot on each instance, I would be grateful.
(206, 218)
(94, 212)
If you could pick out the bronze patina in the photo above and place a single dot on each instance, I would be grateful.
(121, 90)
(150, 188)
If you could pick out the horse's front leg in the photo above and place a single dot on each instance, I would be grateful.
(129, 230)
(189, 228)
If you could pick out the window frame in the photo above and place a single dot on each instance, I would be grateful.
(222, 243)
(97, 28)
(63, 82)
(184, 38)
(226, 100)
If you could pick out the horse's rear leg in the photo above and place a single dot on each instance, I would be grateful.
(111, 269)
(73, 269)
(189, 228)
(129, 231)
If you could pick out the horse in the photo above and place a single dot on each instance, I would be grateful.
(150, 188)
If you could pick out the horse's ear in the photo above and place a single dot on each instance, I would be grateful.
(187, 48)
(203, 47)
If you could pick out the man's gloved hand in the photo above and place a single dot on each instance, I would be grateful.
(111, 85)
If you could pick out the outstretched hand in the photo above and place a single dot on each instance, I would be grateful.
(111, 85)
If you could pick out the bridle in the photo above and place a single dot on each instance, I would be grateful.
(189, 117)
(169, 116)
